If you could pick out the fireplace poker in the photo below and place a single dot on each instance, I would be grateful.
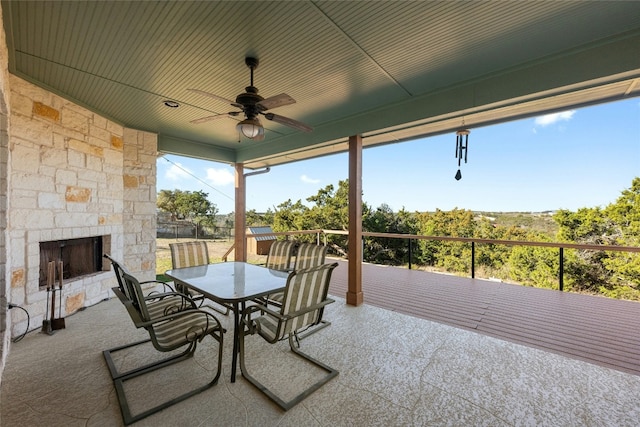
(59, 322)
(46, 322)
(53, 290)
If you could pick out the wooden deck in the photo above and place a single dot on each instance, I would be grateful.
(595, 329)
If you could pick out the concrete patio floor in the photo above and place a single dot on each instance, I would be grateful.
(395, 370)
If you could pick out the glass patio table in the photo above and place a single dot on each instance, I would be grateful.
(231, 284)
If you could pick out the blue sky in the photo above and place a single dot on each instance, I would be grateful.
(573, 159)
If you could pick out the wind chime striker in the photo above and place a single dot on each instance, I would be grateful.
(462, 143)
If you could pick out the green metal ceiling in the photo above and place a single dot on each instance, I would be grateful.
(389, 70)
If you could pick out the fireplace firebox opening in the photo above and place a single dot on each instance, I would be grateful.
(80, 257)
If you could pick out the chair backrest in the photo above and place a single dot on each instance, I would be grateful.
(310, 255)
(189, 254)
(281, 254)
(119, 271)
(136, 296)
(305, 289)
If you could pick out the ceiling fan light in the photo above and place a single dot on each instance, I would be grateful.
(251, 128)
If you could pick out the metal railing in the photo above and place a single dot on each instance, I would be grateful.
(561, 246)
(287, 234)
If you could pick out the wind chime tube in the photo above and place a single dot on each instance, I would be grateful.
(466, 145)
(462, 144)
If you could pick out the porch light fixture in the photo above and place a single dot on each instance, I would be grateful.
(251, 128)
(462, 143)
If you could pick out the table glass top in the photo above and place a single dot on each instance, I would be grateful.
(231, 281)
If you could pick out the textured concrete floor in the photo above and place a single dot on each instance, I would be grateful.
(395, 370)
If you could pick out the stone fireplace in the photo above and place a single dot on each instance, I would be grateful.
(78, 186)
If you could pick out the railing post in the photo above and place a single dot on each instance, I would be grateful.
(473, 260)
(561, 270)
(410, 251)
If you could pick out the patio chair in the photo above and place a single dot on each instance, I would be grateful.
(281, 254)
(192, 254)
(304, 300)
(280, 257)
(158, 305)
(185, 328)
(307, 255)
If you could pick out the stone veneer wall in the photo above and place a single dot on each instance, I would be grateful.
(73, 173)
(140, 217)
(4, 161)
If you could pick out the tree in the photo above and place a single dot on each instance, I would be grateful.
(191, 206)
(167, 202)
(614, 274)
(289, 216)
(387, 250)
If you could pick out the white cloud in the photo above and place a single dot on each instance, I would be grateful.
(307, 180)
(549, 119)
(220, 176)
(177, 172)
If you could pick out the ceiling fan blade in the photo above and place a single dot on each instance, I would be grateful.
(288, 122)
(275, 102)
(209, 118)
(219, 98)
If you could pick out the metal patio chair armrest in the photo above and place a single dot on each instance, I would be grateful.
(163, 295)
(178, 315)
(247, 320)
(166, 286)
(309, 309)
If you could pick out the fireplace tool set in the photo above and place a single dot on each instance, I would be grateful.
(52, 324)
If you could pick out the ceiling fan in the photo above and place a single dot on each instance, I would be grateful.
(252, 105)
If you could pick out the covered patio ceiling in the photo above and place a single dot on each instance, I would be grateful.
(389, 71)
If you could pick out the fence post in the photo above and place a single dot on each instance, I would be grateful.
(410, 252)
(473, 260)
(561, 270)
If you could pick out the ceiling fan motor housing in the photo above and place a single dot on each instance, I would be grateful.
(249, 101)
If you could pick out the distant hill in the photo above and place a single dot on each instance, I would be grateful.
(537, 221)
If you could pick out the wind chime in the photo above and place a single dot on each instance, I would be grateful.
(462, 143)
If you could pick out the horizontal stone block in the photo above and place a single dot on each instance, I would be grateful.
(85, 147)
(77, 194)
(50, 201)
(31, 219)
(31, 181)
(46, 111)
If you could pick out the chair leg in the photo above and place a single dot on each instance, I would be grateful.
(159, 364)
(301, 396)
(118, 382)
